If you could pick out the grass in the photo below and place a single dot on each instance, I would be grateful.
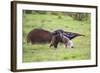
(42, 52)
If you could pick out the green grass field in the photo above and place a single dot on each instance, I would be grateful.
(50, 22)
